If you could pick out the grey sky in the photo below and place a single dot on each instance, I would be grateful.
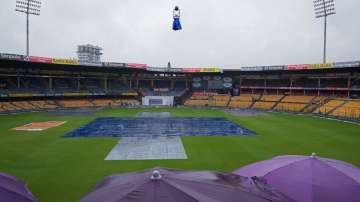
(226, 33)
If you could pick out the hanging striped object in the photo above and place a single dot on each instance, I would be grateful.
(176, 24)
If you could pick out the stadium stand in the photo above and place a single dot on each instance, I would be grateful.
(290, 107)
(126, 102)
(351, 109)
(330, 91)
(243, 101)
(37, 105)
(219, 100)
(44, 104)
(102, 102)
(264, 105)
(198, 99)
(295, 103)
(271, 98)
(75, 103)
(329, 106)
(298, 99)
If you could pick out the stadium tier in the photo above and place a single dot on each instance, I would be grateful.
(326, 91)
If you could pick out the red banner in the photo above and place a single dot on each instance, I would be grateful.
(298, 67)
(137, 66)
(40, 59)
(191, 70)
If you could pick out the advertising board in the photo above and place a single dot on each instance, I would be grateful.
(8, 56)
(65, 61)
(298, 67)
(40, 59)
(137, 66)
(321, 66)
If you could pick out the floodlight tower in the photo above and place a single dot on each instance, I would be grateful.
(323, 9)
(29, 7)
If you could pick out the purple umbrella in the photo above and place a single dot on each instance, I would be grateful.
(309, 179)
(13, 190)
(169, 185)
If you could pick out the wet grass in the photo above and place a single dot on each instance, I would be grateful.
(64, 169)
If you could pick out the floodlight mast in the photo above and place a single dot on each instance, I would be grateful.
(323, 9)
(29, 7)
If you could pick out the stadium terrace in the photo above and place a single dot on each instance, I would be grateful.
(40, 83)
(65, 125)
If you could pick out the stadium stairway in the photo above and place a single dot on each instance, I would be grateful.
(313, 104)
(278, 102)
(327, 105)
(254, 101)
(58, 104)
(19, 106)
(338, 107)
(228, 103)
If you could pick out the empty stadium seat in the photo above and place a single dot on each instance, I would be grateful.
(76, 103)
(298, 99)
(264, 105)
(329, 106)
(292, 107)
(271, 98)
(349, 110)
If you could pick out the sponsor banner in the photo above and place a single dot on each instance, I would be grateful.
(137, 66)
(174, 70)
(114, 64)
(40, 59)
(346, 64)
(157, 69)
(98, 93)
(211, 70)
(130, 94)
(65, 61)
(7, 56)
(321, 66)
(163, 69)
(191, 70)
(298, 67)
(76, 94)
(90, 64)
(24, 94)
(257, 68)
(273, 68)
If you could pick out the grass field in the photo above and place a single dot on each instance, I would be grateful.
(64, 169)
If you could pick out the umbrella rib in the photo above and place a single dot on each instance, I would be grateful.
(276, 169)
(204, 195)
(171, 184)
(340, 171)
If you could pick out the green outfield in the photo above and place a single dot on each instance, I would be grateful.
(61, 169)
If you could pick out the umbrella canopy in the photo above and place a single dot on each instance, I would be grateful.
(309, 178)
(169, 185)
(13, 190)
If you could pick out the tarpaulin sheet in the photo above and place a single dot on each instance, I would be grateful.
(144, 127)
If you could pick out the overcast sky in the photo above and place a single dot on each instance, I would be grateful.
(223, 33)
